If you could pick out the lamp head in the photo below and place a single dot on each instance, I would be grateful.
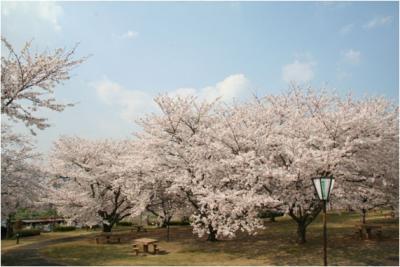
(323, 185)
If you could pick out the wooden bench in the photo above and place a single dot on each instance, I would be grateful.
(135, 249)
(366, 231)
(109, 238)
(390, 215)
(145, 242)
(156, 250)
(138, 228)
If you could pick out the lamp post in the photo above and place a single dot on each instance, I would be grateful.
(323, 185)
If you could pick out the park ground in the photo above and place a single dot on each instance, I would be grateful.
(275, 245)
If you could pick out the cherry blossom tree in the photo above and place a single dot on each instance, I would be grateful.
(231, 160)
(20, 175)
(371, 170)
(163, 202)
(28, 81)
(319, 133)
(92, 181)
(183, 140)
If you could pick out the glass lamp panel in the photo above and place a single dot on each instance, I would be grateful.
(325, 186)
(317, 185)
(332, 182)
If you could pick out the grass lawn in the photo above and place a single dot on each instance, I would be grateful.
(273, 246)
(11, 243)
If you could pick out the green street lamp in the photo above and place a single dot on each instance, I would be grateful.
(323, 185)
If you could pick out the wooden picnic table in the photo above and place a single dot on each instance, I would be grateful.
(366, 230)
(146, 242)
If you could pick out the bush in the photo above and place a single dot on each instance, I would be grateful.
(35, 214)
(27, 232)
(64, 228)
(179, 223)
(125, 223)
(269, 214)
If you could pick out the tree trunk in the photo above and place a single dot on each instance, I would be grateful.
(166, 222)
(272, 219)
(163, 222)
(167, 232)
(107, 227)
(364, 213)
(9, 227)
(212, 236)
(301, 232)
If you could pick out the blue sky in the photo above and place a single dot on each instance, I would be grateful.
(228, 49)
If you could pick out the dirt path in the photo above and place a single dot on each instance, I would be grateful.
(29, 254)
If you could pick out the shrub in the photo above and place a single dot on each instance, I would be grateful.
(64, 228)
(125, 223)
(179, 223)
(35, 214)
(185, 220)
(269, 214)
(27, 232)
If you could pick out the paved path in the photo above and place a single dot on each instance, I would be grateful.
(29, 254)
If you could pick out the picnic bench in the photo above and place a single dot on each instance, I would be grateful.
(145, 242)
(390, 215)
(138, 228)
(367, 231)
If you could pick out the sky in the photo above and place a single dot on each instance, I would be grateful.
(232, 50)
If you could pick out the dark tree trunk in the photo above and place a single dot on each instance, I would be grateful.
(107, 227)
(163, 222)
(9, 226)
(167, 232)
(212, 236)
(364, 213)
(166, 222)
(272, 219)
(303, 217)
(301, 232)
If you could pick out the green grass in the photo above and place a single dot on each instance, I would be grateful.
(11, 243)
(273, 246)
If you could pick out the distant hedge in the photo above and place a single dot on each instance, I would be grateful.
(125, 223)
(269, 214)
(27, 232)
(179, 223)
(64, 228)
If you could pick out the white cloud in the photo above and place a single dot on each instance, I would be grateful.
(183, 92)
(232, 87)
(298, 71)
(129, 35)
(47, 12)
(377, 22)
(131, 104)
(346, 29)
(352, 56)
(235, 86)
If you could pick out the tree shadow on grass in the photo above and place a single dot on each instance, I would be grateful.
(276, 245)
